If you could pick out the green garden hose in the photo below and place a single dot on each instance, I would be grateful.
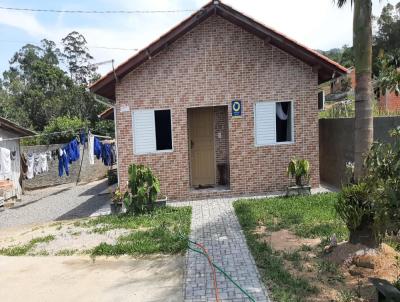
(217, 267)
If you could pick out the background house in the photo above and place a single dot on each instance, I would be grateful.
(218, 106)
(10, 183)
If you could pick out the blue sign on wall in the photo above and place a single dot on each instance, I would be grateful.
(237, 108)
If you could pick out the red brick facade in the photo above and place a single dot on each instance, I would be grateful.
(212, 65)
(389, 102)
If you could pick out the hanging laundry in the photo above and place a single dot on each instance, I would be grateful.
(82, 137)
(5, 161)
(106, 154)
(36, 165)
(113, 154)
(97, 148)
(24, 166)
(91, 149)
(30, 163)
(42, 164)
(63, 162)
(72, 150)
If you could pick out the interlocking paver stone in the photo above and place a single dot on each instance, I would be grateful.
(214, 224)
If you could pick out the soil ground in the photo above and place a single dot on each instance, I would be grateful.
(79, 278)
(336, 274)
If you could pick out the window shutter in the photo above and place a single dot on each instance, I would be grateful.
(265, 123)
(144, 134)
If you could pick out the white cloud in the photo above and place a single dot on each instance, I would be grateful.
(26, 22)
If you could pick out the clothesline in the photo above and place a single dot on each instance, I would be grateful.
(49, 134)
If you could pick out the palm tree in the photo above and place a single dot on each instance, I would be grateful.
(362, 45)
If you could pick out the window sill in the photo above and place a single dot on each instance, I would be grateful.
(276, 144)
(155, 152)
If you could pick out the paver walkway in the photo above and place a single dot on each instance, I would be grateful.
(214, 224)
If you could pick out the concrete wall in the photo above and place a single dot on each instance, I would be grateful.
(336, 144)
(12, 145)
(51, 178)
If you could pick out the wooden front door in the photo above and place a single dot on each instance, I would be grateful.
(201, 145)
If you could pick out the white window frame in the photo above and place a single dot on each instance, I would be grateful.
(291, 121)
(155, 138)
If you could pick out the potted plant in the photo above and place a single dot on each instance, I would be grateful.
(161, 201)
(299, 169)
(144, 189)
(116, 201)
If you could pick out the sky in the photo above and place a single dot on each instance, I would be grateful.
(318, 24)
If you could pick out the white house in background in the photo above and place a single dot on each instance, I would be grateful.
(10, 183)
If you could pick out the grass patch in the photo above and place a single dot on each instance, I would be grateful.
(153, 233)
(21, 250)
(66, 252)
(307, 216)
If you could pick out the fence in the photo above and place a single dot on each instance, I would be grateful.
(336, 144)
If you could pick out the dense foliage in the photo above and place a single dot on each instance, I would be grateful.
(372, 207)
(144, 188)
(386, 40)
(44, 83)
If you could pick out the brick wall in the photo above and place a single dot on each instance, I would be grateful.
(210, 66)
(389, 102)
(51, 178)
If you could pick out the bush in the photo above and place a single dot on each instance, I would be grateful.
(371, 209)
(144, 188)
(353, 204)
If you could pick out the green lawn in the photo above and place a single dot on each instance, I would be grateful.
(155, 233)
(159, 232)
(306, 216)
(21, 250)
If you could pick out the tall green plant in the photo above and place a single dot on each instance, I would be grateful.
(299, 169)
(144, 188)
(371, 208)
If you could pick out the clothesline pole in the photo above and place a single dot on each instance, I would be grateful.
(80, 167)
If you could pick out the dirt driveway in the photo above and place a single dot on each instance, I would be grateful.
(58, 203)
(79, 278)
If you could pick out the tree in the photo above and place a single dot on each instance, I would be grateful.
(36, 89)
(387, 37)
(78, 58)
(388, 79)
(36, 85)
(362, 46)
(343, 55)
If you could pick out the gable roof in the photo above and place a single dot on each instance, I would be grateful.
(11, 126)
(325, 67)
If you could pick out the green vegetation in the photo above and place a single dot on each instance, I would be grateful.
(370, 208)
(152, 233)
(66, 252)
(45, 83)
(21, 250)
(307, 216)
(144, 188)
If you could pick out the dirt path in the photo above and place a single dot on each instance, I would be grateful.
(78, 278)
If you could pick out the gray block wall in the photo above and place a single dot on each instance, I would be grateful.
(336, 144)
(88, 173)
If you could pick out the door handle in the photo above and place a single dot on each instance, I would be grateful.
(191, 144)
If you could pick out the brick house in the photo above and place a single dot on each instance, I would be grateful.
(218, 106)
(389, 102)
